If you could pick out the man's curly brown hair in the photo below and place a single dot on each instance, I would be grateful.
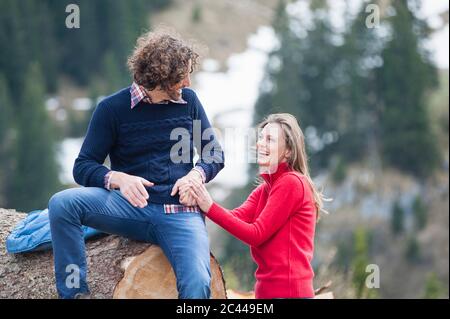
(161, 59)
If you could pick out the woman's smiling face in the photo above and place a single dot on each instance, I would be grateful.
(271, 146)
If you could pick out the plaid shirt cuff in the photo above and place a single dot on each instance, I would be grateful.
(175, 208)
(107, 180)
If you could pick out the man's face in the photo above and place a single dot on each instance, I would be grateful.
(175, 91)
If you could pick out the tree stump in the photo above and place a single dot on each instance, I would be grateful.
(117, 268)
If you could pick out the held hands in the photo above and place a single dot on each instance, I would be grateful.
(181, 187)
(191, 189)
(201, 195)
(132, 187)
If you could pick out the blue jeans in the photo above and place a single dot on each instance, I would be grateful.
(182, 237)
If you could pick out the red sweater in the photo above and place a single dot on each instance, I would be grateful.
(278, 222)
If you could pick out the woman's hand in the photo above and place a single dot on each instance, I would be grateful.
(199, 192)
(182, 187)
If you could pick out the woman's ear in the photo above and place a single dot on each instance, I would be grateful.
(287, 154)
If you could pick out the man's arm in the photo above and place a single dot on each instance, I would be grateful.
(89, 170)
(212, 159)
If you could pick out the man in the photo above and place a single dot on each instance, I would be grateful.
(139, 196)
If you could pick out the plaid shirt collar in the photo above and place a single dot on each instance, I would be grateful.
(138, 94)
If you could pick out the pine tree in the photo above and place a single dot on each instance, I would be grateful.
(81, 48)
(47, 53)
(359, 264)
(13, 45)
(359, 128)
(35, 174)
(434, 289)
(5, 137)
(397, 219)
(412, 251)
(112, 72)
(420, 214)
(36, 31)
(5, 111)
(124, 22)
(403, 81)
(196, 15)
(300, 78)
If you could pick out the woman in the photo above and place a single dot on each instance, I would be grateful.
(279, 217)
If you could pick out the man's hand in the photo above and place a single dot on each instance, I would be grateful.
(132, 187)
(186, 199)
(181, 187)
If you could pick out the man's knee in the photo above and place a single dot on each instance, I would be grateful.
(61, 204)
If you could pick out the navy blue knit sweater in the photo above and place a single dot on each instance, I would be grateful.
(153, 141)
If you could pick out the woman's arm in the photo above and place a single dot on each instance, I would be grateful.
(245, 212)
(284, 198)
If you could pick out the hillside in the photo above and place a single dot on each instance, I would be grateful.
(365, 201)
(223, 24)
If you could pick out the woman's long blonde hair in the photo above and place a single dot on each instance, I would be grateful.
(298, 160)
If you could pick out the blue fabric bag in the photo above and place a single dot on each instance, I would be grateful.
(33, 233)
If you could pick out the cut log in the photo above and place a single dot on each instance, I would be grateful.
(150, 276)
(236, 294)
(117, 268)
